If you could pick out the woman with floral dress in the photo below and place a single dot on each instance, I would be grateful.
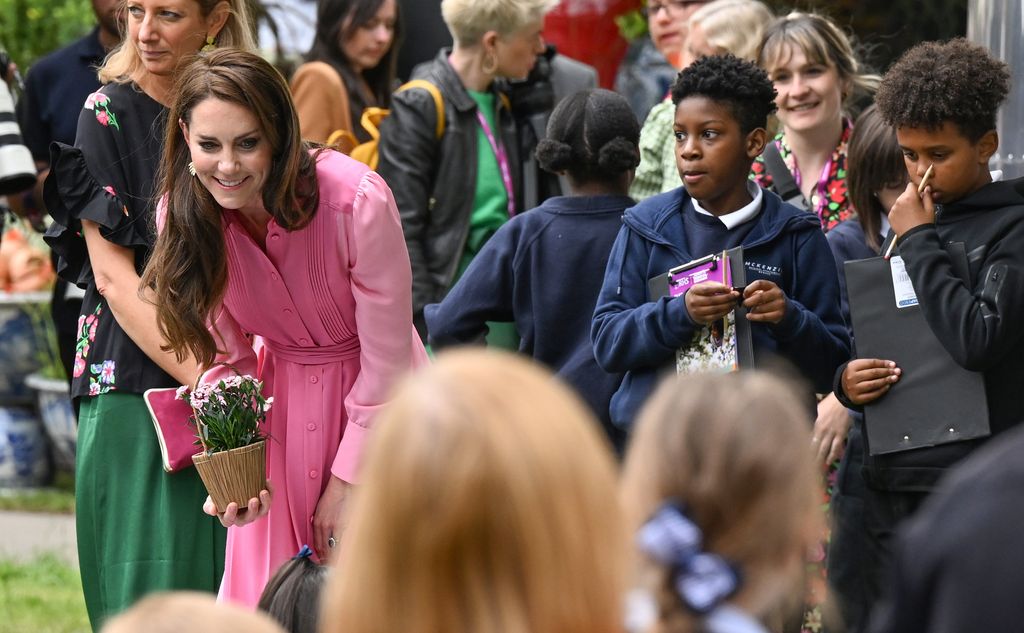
(136, 527)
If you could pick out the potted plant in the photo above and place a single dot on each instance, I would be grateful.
(229, 416)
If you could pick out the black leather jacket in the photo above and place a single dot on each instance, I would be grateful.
(433, 180)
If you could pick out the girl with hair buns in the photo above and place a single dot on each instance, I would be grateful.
(136, 530)
(521, 274)
(716, 28)
(721, 495)
(488, 507)
(817, 78)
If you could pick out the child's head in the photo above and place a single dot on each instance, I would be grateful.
(722, 107)
(487, 505)
(815, 71)
(292, 595)
(875, 172)
(593, 136)
(942, 98)
(726, 26)
(734, 450)
(191, 611)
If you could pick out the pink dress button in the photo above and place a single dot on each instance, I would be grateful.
(313, 379)
(304, 341)
(313, 474)
(311, 426)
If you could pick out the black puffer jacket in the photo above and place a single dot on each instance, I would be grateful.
(434, 180)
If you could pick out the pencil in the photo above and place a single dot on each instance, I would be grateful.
(920, 189)
(927, 177)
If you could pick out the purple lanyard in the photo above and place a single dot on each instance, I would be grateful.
(502, 156)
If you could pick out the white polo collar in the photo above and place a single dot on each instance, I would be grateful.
(741, 215)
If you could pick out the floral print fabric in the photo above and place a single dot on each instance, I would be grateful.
(830, 200)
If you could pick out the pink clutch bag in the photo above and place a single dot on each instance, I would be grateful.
(174, 431)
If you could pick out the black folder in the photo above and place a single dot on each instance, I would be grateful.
(935, 401)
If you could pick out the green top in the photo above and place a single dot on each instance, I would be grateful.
(657, 172)
(490, 200)
(490, 210)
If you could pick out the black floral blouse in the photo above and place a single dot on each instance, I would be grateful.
(109, 177)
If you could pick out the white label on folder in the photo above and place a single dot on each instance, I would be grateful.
(904, 290)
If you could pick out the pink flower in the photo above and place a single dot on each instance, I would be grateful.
(89, 319)
(94, 388)
(79, 368)
(95, 99)
(102, 117)
(180, 392)
(110, 190)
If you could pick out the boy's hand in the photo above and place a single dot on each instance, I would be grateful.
(765, 302)
(867, 379)
(709, 301)
(912, 209)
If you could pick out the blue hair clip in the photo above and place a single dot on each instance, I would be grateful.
(702, 580)
(305, 552)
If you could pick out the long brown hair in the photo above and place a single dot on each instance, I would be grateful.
(518, 529)
(874, 161)
(188, 269)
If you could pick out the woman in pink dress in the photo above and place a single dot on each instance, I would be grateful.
(263, 236)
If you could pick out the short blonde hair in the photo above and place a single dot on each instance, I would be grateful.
(191, 611)
(733, 26)
(123, 63)
(468, 20)
(735, 450)
(822, 42)
(488, 507)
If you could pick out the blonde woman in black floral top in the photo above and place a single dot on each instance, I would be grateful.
(139, 529)
(816, 75)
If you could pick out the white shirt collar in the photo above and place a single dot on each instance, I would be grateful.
(884, 229)
(741, 215)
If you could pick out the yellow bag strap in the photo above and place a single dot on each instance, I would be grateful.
(438, 101)
(343, 140)
(371, 120)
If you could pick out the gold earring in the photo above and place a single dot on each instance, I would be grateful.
(209, 45)
(192, 168)
(490, 63)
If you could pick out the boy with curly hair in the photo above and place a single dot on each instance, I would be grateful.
(942, 99)
(792, 296)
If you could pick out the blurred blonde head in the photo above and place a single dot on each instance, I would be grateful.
(728, 26)
(123, 64)
(734, 449)
(190, 612)
(488, 507)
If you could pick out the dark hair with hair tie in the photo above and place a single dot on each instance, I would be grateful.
(593, 135)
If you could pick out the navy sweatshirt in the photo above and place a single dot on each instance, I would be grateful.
(634, 334)
(542, 270)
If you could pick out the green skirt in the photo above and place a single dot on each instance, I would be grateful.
(140, 529)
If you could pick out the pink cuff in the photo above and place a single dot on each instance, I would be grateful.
(350, 452)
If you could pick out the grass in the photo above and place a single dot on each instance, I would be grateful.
(57, 499)
(43, 596)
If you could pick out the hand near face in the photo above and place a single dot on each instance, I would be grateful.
(709, 301)
(912, 209)
(765, 302)
(868, 379)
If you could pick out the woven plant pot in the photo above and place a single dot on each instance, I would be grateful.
(236, 475)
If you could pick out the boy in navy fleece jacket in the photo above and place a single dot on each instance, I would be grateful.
(792, 296)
